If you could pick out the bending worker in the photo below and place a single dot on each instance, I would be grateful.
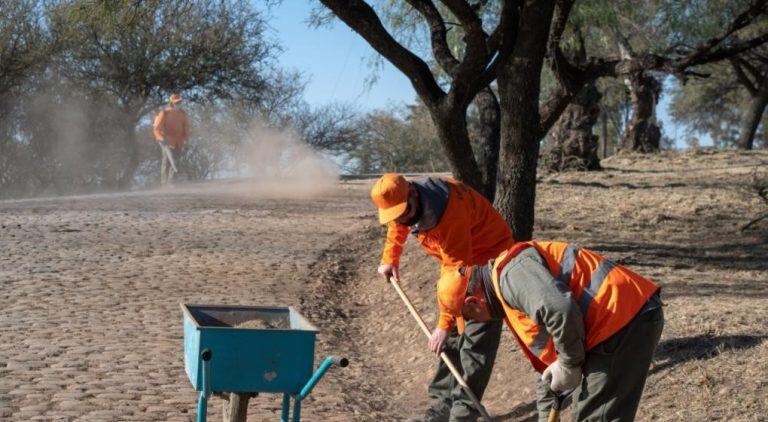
(459, 227)
(171, 129)
(584, 322)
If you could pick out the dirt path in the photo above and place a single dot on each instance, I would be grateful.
(90, 286)
(672, 217)
(91, 328)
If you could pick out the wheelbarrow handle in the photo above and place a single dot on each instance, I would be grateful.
(342, 362)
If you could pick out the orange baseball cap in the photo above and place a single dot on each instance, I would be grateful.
(390, 194)
(175, 98)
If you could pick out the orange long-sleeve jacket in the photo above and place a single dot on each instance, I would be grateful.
(172, 125)
(469, 232)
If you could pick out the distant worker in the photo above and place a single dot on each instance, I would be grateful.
(584, 322)
(459, 227)
(171, 131)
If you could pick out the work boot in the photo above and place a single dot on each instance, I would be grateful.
(463, 413)
(439, 414)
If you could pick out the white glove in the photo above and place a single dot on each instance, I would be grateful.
(561, 377)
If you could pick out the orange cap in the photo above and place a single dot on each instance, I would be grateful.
(175, 98)
(390, 194)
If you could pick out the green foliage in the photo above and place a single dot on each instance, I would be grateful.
(714, 107)
(24, 45)
(140, 51)
(87, 76)
(392, 142)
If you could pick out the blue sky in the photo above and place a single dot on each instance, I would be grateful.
(335, 61)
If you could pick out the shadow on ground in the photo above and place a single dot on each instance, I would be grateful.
(521, 412)
(675, 351)
(740, 255)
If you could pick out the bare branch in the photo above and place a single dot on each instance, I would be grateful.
(437, 32)
(501, 42)
(476, 53)
(736, 63)
(749, 67)
(359, 16)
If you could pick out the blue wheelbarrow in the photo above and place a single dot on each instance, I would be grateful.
(248, 349)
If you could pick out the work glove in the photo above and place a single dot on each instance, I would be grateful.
(561, 377)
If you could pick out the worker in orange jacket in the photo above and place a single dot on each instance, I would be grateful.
(589, 325)
(459, 227)
(171, 130)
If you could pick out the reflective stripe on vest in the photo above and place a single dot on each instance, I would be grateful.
(584, 273)
(595, 282)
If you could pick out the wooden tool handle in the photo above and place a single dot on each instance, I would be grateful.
(554, 415)
(443, 356)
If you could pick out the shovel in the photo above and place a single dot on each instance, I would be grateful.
(486, 417)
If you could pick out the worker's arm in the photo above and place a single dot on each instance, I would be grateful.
(451, 290)
(393, 247)
(527, 285)
(158, 128)
(455, 253)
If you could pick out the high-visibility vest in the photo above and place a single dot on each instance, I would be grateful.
(609, 296)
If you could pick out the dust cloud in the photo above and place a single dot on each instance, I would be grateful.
(277, 163)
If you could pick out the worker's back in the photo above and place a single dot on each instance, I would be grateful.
(172, 125)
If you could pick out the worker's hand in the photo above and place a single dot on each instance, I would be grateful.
(561, 377)
(437, 340)
(161, 141)
(388, 271)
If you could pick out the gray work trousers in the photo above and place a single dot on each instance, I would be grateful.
(474, 354)
(614, 373)
(168, 162)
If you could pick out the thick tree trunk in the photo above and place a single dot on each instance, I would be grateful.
(642, 133)
(488, 151)
(572, 145)
(754, 116)
(604, 134)
(451, 125)
(132, 162)
(519, 90)
(131, 150)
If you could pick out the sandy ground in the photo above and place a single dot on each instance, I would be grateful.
(90, 326)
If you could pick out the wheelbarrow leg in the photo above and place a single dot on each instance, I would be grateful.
(202, 403)
(297, 409)
(286, 407)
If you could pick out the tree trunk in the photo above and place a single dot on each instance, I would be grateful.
(642, 133)
(604, 134)
(572, 145)
(451, 125)
(488, 151)
(519, 90)
(754, 116)
(131, 149)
